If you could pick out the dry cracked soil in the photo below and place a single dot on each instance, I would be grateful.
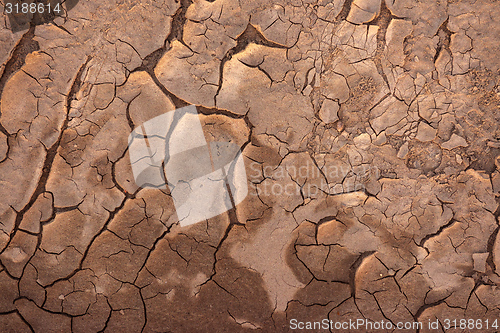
(370, 132)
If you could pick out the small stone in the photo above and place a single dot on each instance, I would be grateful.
(403, 151)
(328, 112)
(16, 254)
(373, 187)
(480, 261)
(454, 142)
(340, 126)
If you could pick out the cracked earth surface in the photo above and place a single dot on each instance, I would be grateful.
(380, 119)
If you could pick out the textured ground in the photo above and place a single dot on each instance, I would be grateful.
(390, 109)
